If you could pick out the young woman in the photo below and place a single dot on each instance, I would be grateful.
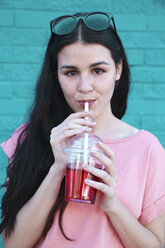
(84, 62)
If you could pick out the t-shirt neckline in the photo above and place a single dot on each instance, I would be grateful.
(125, 139)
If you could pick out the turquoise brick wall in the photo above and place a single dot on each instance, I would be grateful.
(24, 32)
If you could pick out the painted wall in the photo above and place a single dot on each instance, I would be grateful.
(24, 32)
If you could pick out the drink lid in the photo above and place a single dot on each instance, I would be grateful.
(77, 143)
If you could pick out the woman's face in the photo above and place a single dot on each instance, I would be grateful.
(87, 73)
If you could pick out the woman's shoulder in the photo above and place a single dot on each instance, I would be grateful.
(145, 141)
(134, 137)
(152, 140)
(141, 134)
(10, 144)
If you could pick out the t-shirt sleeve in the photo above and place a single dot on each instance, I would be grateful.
(10, 144)
(154, 195)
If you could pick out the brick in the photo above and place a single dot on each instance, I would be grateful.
(58, 5)
(142, 40)
(6, 18)
(4, 164)
(154, 123)
(161, 137)
(4, 135)
(3, 157)
(146, 107)
(135, 91)
(154, 91)
(5, 90)
(25, 37)
(133, 120)
(14, 106)
(9, 124)
(38, 19)
(1, 242)
(156, 23)
(135, 57)
(19, 72)
(147, 74)
(154, 57)
(12, 89)
(18, 54)
(40, 37)
(130, 22)
(139, 7)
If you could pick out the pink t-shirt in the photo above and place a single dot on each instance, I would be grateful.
(140, 165)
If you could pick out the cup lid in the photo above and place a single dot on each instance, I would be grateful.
(77, 142)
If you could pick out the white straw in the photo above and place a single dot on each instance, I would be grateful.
(86, 137)
(86, 106)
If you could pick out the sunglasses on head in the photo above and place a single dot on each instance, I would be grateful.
(96, 21)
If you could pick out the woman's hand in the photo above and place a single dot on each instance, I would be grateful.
(107, 184)
(73, 125)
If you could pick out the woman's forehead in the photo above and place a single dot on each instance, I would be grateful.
(78, 51)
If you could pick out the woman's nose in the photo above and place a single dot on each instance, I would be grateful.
(85, 84)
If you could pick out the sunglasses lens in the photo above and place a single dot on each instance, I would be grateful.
(97, 22)
(64, 25)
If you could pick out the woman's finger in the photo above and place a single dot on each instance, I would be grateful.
(68, 133)
(101, 174)
(73, 125)
(72, 132)
(105, 189)
(81, 124)
(106, 161)
(108, 151)
(82, 121)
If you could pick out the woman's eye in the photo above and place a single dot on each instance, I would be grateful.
(70, 73)
(98, 71)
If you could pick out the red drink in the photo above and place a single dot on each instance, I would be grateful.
(79, 152)
(76, 189)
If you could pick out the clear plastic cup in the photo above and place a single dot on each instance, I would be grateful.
(75, 188)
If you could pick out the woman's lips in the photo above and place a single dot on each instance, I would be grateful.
(91, 102)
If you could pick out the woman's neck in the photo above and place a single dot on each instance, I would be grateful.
(110, 127)
(105, 123)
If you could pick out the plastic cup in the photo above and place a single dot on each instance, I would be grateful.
(75, 188)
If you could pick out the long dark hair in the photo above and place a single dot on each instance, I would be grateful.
(33, 156)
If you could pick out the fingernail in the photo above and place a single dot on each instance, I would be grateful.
(87, 180)
(88, 128)
(92, 122)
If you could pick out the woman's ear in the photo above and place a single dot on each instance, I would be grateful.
(119, 69)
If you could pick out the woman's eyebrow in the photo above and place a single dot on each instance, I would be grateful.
(68, 67)
(99, 63)
(92, 65)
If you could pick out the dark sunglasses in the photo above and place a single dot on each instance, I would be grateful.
(96, 21)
